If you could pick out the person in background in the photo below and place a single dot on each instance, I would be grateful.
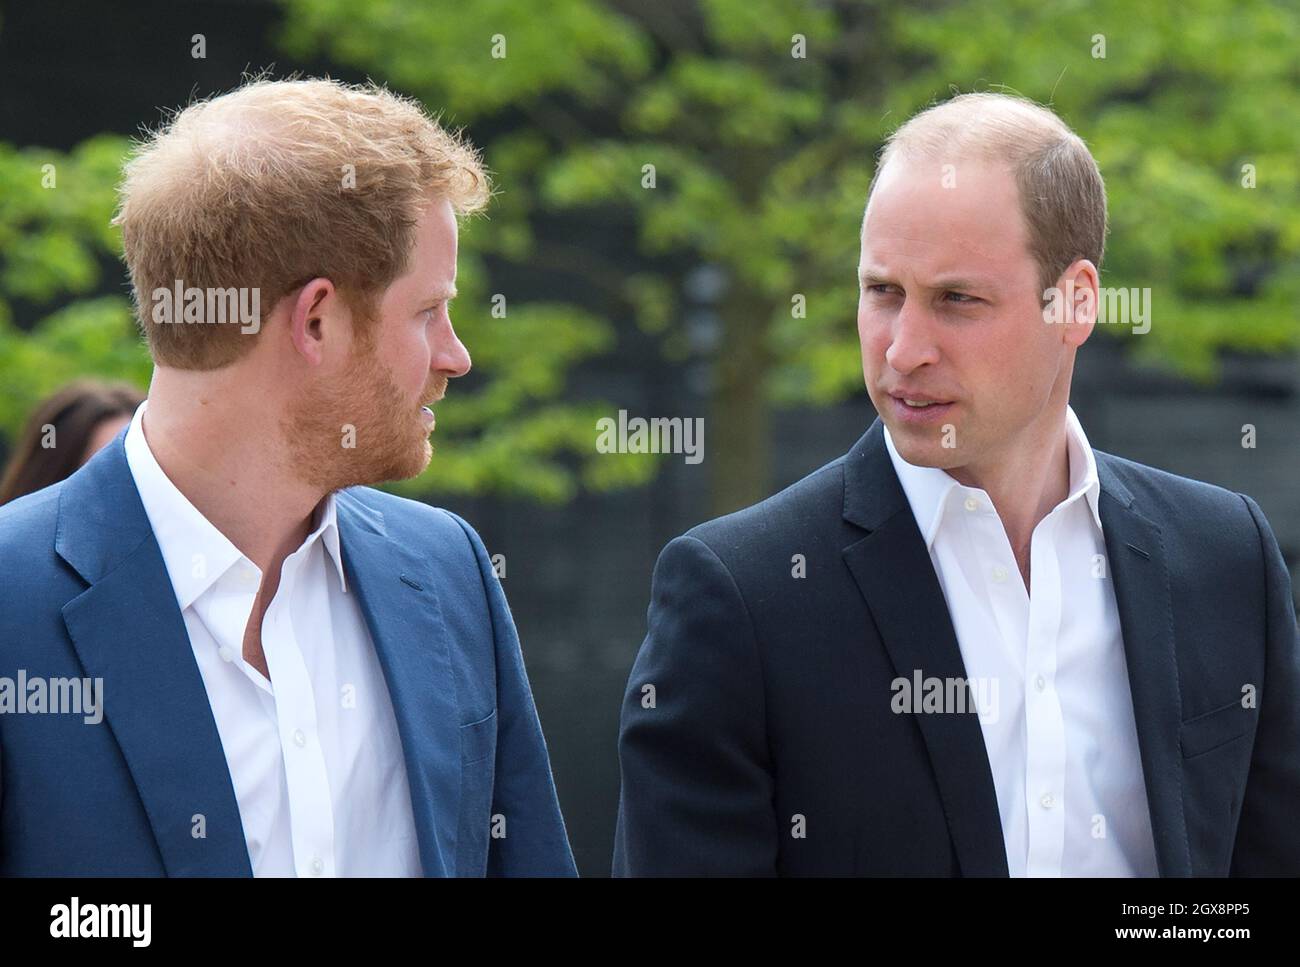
(64, 431)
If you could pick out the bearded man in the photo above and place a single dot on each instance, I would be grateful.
(300, 675)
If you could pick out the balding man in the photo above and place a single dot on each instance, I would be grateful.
(973, 645)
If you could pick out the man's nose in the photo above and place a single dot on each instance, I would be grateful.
(452, 358)
(912, 345)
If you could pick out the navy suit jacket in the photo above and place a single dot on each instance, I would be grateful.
(771, 694)
(85, 593)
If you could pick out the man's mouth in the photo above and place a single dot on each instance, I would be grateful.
(920, 409)
(426, 410)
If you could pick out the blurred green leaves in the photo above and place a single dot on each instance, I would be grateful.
(55, 239)
(762, 158)
(761, 161)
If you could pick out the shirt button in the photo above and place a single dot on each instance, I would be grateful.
(1048, 801)
(226, 654)
(1040, 682)
(999, 574)
(317, 866)
(299, 739)
(972, 503)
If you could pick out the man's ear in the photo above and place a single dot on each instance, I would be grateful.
(314, 312)
(1080, 285)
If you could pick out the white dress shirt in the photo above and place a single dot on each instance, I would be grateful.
(314, 754)
(1057, 713)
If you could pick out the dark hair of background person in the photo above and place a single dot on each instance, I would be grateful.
(75, 412)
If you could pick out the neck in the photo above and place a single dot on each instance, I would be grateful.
(220, 444)
(1028, 478)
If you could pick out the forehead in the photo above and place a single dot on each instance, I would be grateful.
(432, 267)
(436, 236)
(934, 216)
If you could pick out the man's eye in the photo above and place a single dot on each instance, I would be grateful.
(961, 298)
(880, 288)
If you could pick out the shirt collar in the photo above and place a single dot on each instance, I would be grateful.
(195, 552)
(928, 488)
(327, 527)
(1083, 466)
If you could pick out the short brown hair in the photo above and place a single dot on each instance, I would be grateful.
(1062, 195)
(277, 183)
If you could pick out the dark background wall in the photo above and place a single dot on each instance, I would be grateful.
(578, 577)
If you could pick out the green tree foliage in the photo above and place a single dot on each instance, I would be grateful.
(55, 241)
(761, 119)
(762, 157)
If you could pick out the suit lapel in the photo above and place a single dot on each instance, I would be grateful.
(400, 604)
(893, 571)
(127, 630)
(1143, 598)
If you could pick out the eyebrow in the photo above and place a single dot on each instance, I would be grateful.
(944, 283)
(441, 295)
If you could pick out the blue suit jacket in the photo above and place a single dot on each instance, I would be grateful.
(772, 694)
(85, 593)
